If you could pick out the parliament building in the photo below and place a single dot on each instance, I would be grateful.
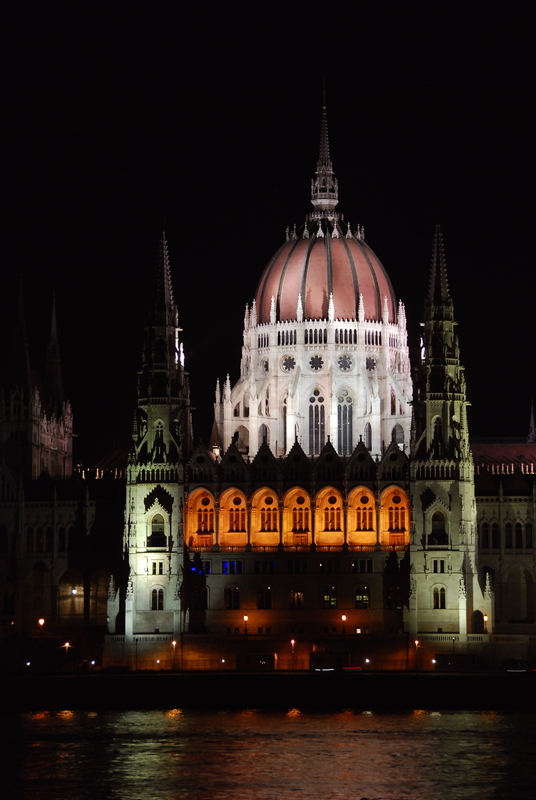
(341, 516)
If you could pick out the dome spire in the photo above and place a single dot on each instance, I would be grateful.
(324, 186)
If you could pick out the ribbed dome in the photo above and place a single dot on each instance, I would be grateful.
(318, 266)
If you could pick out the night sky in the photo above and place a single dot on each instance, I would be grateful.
(122, 121)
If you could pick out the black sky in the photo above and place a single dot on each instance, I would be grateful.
(122, 120)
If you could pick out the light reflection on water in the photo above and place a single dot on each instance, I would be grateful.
(418, 755)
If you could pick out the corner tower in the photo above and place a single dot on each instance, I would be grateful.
(445, 595)
(161, 440)
(324, 353)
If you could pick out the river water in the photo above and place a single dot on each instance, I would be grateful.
(141, 755)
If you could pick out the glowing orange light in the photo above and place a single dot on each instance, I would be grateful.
(343, 617)
(416, 642)
(485, 617)
(174, 643)
(66, 645)
(41, 621)
(246, 617)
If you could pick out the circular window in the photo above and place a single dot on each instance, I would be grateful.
(288, 363)
(345, 363)
(332, 499)
(237, 500)
(300, 500)
(269, 501)
(205, 501)
(396, 499)
(364, 499)
(316, 362)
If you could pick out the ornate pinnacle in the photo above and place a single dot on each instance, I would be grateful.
(324, 186)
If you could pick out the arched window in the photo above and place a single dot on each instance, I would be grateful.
(398, 435)
(205, 517)
(157, 600)
(508, 536)
(495, 539)
(157, 536)
(368, 436)
(484, 536)
(332, 514)
(528, 535)
(264, 434)
(397, 515)
(365, 514)
(518, 536)
(300, 515)
(439, 597)
(268, 514)
(437, 442)
(317, 423)
(438, 534)
(393, 403)
(237, 516)
(285, 424)
(344, 423)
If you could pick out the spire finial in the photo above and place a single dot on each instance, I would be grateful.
(532, 427)
(324, 186)
(438, 286)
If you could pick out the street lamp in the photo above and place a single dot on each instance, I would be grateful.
(485, 623)
(246, 624)
(292, 653)
(174, 645)
(41, 622)
(417, 653)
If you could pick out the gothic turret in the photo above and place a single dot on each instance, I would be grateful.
(162, 435)
(445, 594)
(324, 186)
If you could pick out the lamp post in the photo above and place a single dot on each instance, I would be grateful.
(292, 653)
(246, 625)
(485, 623)
(417, 654)
(174, 645)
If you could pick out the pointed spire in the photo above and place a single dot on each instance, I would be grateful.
(324, 186)
(349, 232)
(305, 231)
(164, 308)
(218, 392)
(532, 427)
(385, 310)
(294, 235)
(253, 315)
(53, 371)
(438, 296)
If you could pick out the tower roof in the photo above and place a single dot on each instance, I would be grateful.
(438, 299)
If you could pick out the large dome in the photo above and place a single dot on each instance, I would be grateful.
(320, 265)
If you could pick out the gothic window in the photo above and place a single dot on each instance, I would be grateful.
(345, 362)
(300, 516)
(362, 597)
(368, 436)
(231, 567)
(237, 516)
(232, 597)
(528, 536)
(397, 515)
(495, 540)
(317, 423)
(519, 536)
(332, 515)
(439, 597)
(205, 517)
(484, 536)
(329, 598)
(508, 536)
(264, 434)
(398, 436)
(288, 363)
(157, 536)
(268, 515)
(437, 442)
(439, 533)
(365, 514)
(157, 600)
(296, 598)
(344, 423)
(393, 403)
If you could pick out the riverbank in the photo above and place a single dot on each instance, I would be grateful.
(315, 691)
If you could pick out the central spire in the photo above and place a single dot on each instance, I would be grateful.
(324, 186)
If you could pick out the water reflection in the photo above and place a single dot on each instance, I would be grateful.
(419, 755)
